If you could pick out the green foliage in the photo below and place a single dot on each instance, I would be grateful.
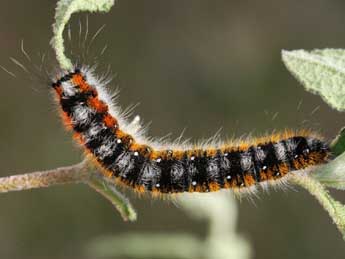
(106, 188)
(64, 11)
(323, 72)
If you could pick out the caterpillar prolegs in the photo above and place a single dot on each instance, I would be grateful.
(87, 109)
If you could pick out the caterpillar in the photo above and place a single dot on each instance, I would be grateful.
(122, 153)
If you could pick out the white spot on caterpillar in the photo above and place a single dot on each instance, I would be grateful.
(124, 163)
(81, 114)
(280, 151)
(291, 145)
(94, 130)
(246, 161)
(212, 169)
(68, 88)
(149, 175)
(177, 172)
(260, 154)
(106, 149)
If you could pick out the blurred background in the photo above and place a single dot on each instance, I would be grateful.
(197, 64)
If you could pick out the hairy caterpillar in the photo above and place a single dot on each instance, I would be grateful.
(123, 153)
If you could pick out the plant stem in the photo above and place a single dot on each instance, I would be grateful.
(334, 208)
(101, 185)
(78, 173)
(63, 175)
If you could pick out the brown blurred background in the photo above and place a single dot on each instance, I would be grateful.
(196, 64)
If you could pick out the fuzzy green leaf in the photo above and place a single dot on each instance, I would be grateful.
(64, 11)
(321, 72)
(332, 174)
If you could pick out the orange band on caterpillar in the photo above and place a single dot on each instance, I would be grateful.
(87, 109)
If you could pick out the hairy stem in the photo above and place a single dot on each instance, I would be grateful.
(78, 173)
(334, 208)
(63, 175)
(107, 189)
